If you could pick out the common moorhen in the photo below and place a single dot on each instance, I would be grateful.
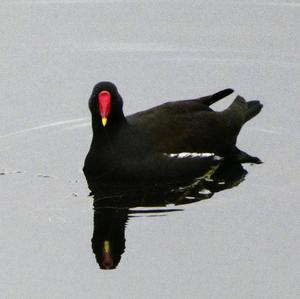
(180, 138)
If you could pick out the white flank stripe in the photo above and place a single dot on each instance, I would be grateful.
(192, 155)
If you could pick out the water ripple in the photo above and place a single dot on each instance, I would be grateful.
(47, 126)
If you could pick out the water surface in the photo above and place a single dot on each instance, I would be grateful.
(241, 243)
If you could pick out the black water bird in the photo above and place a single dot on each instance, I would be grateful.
(180, 138)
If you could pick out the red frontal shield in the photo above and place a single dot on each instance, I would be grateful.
(104, 105)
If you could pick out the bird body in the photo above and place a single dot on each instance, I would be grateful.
(149, 143)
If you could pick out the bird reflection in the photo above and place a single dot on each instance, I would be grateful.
(116, 202)
(108, 240)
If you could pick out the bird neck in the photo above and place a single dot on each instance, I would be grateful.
(114, 124)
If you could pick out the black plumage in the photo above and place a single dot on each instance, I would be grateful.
(148, 143)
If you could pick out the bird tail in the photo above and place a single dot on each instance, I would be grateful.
(250, 108)
(254, 108)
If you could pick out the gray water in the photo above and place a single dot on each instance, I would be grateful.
(241, 243)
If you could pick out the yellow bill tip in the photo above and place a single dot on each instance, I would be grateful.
(104, 121)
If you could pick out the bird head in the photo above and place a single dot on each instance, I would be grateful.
(105, 102)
